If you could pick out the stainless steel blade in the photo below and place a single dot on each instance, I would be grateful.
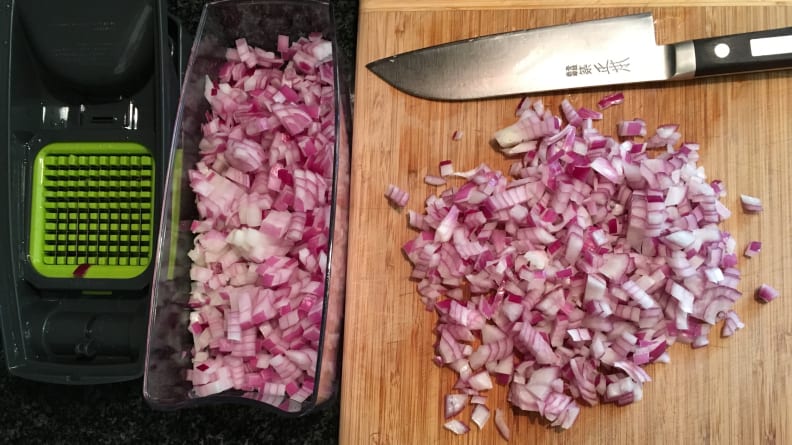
(610, 51)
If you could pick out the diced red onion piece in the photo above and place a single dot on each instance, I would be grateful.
(500, 423)
(454, 404)
(610, 100)
(457, 427)
(434, 180)
(478, 400)
(714, 274)
(586, 113)
(752, 249)
(480, 415)
(80, 270)
(665, 135)
(751, 204)
(521, 148)
(446, 168)
(632, 128)
(731, 324)
(480, 381)
(397, 196)
(766, 293)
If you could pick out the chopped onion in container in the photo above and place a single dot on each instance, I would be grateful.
(562, 279)
(262, 187)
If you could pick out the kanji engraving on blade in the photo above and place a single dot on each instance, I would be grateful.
(613, 66)
(609, 66)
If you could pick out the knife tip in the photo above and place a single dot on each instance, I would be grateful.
(388, 70)
(377, 65)
(382, 68)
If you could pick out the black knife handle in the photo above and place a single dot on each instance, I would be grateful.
(741, 53)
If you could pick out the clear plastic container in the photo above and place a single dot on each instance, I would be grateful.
(169, 342)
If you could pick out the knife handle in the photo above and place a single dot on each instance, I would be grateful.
(741, 53)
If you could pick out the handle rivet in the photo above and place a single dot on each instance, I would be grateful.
(722, 50)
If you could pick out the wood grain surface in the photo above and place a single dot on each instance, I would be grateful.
(437, 5)
(735, 391)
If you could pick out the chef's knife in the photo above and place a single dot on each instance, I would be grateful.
(612, 51)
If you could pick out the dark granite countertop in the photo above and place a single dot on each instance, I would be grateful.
(38, 413)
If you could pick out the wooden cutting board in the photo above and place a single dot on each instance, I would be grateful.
(735, 391)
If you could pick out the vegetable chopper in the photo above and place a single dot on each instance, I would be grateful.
(89, 103)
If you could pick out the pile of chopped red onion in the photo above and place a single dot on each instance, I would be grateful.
(262, 190)
(567, 276)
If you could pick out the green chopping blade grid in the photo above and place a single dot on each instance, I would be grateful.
(92, 210)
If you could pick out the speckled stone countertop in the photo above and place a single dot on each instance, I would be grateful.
(38, 413)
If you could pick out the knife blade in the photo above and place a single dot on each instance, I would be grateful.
(611, 51)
